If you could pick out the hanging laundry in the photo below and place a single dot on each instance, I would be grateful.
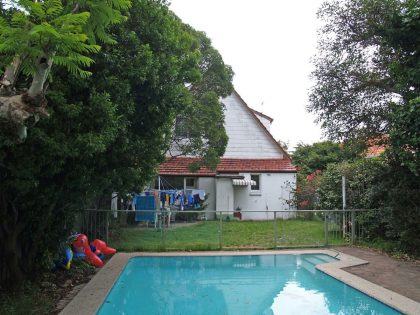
(200, 192)
(196, 200)
(181, 201)
(147, 204)
(190, 200)
(162, 196)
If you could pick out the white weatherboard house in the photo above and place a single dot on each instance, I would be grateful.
(255, 173)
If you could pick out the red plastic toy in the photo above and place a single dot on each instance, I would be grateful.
(103, 248)
(81, 246)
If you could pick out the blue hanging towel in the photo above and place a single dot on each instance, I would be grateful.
(148, 205)
(190, 200)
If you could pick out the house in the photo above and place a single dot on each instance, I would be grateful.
(255, 173)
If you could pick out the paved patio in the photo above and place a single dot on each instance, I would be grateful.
(396, 275)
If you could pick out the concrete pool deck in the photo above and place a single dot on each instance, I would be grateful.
(90, 298)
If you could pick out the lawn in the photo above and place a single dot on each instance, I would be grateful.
(235, 235)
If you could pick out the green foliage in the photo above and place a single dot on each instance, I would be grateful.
(361, 180)
(399, 193)
(367, 85)
(404, 136)
(200, 129)
(312, 160)
(368, 54)
(391, 191)
(50, 29)
(317, 156)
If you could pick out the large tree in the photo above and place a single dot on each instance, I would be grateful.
(106, 133)
(368, 59)
(367, 85)
(199, 130)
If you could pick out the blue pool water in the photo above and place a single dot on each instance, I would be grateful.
(234, 285)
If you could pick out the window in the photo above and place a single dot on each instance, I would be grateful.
(190, 183)
(170, 182)
(181, 128)
(256, 178)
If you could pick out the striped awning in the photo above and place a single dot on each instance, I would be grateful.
(243, 182)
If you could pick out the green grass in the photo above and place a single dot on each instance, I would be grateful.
(235, 235)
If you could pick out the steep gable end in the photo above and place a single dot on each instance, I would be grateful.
(248, 138)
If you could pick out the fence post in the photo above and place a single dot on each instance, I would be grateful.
(275, 229)
(162, 224)
(352, 226)
(343, 187)
(220, 230)
(107, 226)
(326, 227)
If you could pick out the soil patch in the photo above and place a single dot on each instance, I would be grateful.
(400, 276)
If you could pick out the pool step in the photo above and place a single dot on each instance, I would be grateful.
(314, 260)
(309, 262)
(308, 266)
(326, 258)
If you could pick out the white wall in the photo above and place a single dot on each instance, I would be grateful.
(246, 137)
(224, 194)
(274, 193)
(209, 185)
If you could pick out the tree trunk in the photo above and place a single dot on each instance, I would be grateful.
(12, 255)
(15, 111)
(19, 111)
(43, 68)
(11, 228)
(9, 77)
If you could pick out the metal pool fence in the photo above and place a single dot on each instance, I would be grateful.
(193, 230)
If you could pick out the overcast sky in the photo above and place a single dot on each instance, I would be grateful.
(269, 44)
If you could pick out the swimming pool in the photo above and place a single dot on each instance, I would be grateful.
(251, 284)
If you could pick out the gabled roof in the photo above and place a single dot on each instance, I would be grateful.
(180, 166)
(270, 136)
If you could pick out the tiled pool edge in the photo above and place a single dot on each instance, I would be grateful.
(91, 297)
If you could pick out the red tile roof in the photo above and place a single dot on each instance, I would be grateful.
(250, 165)
(375, 151)
(180, 166)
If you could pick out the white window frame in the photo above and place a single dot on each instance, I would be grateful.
(256, 191)
(195, 182)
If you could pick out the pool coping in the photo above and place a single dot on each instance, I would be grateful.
(91, 297)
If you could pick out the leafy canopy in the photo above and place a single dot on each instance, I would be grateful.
(368, 59)
(317, 156)
(65, 31)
